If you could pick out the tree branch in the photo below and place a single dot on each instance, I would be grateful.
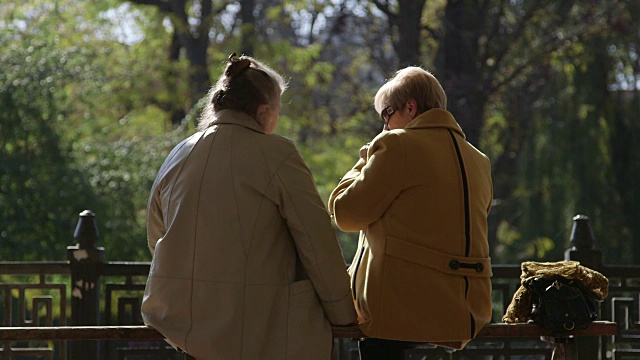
(433, 32)
(499, 56)
(163, 5)
(384, 7)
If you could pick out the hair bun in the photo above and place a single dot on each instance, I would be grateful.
(237, 65)
(219, 97)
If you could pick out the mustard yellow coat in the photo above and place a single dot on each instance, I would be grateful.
(246, 264)
(420, 200)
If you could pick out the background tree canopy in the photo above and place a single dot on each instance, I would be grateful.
(93, 95)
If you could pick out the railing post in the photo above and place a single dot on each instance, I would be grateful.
(582, 244)
(582, 249)
(85, 260)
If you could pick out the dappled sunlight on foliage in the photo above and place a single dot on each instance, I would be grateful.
(539, 247)
(121, 171)
(93, 95)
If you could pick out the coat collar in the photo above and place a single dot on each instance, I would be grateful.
(236, 118)
(435, 118)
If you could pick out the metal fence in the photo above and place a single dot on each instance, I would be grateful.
(86, 290)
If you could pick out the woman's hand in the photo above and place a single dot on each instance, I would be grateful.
(363, 150)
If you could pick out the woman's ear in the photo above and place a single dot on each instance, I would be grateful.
(267, 117)
(262, 114)
(412, 108)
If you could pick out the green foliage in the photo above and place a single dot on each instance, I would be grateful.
(328, 167)
(550, 132)
(123, 171)
(62, 151)
(88, 93)
(37, 182)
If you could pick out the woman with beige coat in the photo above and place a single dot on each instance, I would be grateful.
(246, 264)
(420, 195)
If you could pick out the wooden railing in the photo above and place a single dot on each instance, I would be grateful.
(91, 309)
(564, 347)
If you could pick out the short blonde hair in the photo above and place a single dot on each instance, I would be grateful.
(411, 83)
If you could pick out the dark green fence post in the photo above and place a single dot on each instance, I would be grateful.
(582, 244)
(85, 260)
(582, 249)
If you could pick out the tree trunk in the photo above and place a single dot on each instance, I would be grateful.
(195, 42)
(407, 22)
(626, 165)
(405, 28)
(248, 27)
(457, 69)
(176, 112)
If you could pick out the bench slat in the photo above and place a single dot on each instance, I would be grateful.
(141, 332)
(596, 328)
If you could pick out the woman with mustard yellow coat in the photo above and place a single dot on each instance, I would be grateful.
(420, 195)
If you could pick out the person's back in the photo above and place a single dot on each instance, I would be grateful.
(421, 195)
(433, 181)
(246, 264)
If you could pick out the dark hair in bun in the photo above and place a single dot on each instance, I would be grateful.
(236, 65)
(245, 84)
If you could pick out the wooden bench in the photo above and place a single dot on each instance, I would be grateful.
(564, 347)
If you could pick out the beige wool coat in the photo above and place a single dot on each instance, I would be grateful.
(420, 200)
(246, 264)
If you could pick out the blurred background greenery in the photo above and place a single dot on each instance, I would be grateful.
(93, 95)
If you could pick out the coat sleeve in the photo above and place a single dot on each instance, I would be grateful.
(315, 239)
(156, 227)
(368, 189)
(155, 223)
